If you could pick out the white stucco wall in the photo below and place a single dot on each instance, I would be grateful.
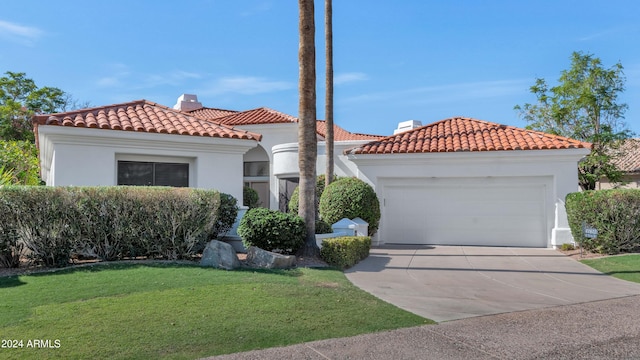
(558, 165)
(88, 157)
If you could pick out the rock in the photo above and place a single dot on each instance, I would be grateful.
(258, 258)
(221, 255)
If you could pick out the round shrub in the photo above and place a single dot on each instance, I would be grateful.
(294, 201)
(250, 197)
(350, 198)
(227, 215)
(272, 230)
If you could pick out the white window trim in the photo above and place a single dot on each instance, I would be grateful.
(157, 159)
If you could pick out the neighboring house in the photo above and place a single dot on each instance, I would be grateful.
(629, 163)
(457, 181)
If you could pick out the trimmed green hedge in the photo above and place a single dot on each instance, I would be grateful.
(272, 230)
(614, 213)
(344, 252)
(350, 198)
(108, 223)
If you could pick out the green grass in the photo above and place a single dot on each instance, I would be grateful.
(625, 267)
(124, 311)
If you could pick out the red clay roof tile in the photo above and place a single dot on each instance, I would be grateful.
(208, 113)
(627, 158)
(143, 116)
(466, 134)
(257, 116)
(340, 134)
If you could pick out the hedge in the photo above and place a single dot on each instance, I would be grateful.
(344, 252)
(108, 223)
(614, 213)
(272, 230)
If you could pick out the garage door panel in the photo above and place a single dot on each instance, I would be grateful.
(501, 212)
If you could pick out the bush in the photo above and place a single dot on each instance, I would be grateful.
(614, 213)
(294, 201)
(45, 225)
(344, 252)
(272, 230)
(350, 198)
(250, 197)
(19, 159)
(226, 216)
(108, 223)
(10, 248)
(323, 228)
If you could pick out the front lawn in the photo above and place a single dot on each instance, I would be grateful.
(123, 311)
(625, 267)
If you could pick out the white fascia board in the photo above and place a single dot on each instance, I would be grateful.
(560, 155)
(131, 139)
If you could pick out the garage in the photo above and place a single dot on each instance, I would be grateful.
(463, 181)
(489, 211)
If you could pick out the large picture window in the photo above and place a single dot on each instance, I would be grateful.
(153, 173)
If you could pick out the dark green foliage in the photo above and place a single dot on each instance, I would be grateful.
(350, 198)
(107, 223)
(323, 228)
(10, 248)
(226, 215)
(293, 202)
(250, 198)
(20, 99)
(344, 252)
(614, 213)
(19, 159)
(272, 230)
(584, 106)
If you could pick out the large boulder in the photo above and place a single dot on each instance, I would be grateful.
(221, 255)
(258, 258)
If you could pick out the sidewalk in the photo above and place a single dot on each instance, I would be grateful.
(608, 329)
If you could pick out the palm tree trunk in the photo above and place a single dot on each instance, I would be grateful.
(307, 139)
(328, 36)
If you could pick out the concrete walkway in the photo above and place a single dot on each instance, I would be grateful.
(446, 283)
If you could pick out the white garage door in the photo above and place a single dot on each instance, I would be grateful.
(507, 211)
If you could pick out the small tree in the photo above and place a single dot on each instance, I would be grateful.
(584, 106)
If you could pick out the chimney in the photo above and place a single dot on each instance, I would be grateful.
(407, 125)
(188, 102)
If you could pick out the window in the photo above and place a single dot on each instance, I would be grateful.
(153, 173)
(256, 168)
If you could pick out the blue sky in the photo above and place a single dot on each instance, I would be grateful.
(394, 61)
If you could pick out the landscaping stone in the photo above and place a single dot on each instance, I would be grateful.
(221, 255)
(258, 258)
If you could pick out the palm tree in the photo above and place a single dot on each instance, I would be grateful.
(307, 140)
(328, 36)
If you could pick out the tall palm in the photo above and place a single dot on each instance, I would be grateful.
(328, 36)
(307, 140)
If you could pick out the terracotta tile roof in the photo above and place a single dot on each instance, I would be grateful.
(143, 116)
(265, 115)
(340, 134)
(628, 160)
(211, 113)
(466, 134)
(257, 116)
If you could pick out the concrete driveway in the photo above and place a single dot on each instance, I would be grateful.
(445, 283)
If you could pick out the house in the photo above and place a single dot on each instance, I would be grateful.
(456, 181)
(628, 161)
